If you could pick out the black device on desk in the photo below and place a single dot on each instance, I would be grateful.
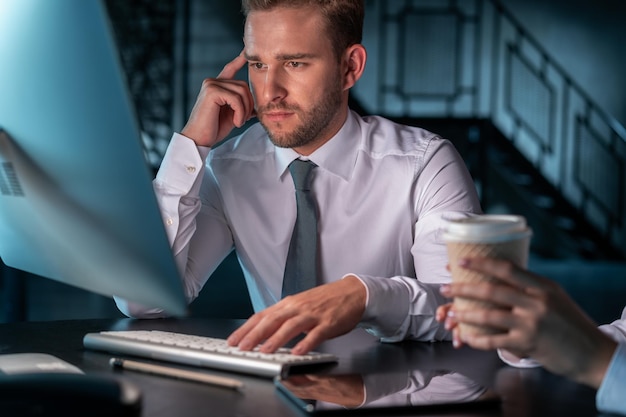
(76, 199)
(39, 384)
(46, 395)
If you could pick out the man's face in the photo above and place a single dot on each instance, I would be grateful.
(295, 77)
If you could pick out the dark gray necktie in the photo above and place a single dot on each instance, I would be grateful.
(301, 265)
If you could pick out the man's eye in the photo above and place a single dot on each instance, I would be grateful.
(295, 64)
(256, 65)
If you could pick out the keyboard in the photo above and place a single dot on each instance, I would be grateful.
(202, 351)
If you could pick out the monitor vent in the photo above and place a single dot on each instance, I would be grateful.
(9, 183)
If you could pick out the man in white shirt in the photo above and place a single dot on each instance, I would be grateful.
(537, 324)
(382, 190)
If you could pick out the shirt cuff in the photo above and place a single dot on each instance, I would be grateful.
(610, 396)
(377, 386)
(512, 360)
(378, 319)
(182, 165)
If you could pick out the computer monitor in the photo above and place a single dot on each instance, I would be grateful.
(76, 199)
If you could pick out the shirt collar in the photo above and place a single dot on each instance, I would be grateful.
(337, 156)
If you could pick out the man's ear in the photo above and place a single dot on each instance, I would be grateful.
(353, 63)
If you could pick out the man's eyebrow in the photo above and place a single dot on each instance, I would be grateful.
(250, 57)
(294, 57)
(282, 57)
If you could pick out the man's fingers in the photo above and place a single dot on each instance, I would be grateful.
(241, 108)
(235, 337)
(313, 338)
(246, 107)
(234, 94)
(220, 106)
(267, 327)
(230, 70)
(289, 329)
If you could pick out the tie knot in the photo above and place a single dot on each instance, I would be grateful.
(300, 172)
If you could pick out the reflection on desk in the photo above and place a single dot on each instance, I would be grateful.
(397, 391)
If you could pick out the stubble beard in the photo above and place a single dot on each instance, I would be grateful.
(313, 122)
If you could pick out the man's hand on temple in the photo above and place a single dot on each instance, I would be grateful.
(223, 104)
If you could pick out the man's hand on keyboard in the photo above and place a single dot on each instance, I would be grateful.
(322, 313)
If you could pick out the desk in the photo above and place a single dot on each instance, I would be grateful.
(532, 393)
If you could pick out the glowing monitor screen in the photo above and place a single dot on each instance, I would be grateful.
(76, 200)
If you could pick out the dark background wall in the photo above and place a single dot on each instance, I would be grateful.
(587, 38)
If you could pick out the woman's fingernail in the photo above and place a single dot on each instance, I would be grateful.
(445, 289)
(464, 262)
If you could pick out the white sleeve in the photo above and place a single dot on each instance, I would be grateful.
(610, 395)
(404, 307)
(515, 361)
(420, 388)
(186, 194)
(617, 329)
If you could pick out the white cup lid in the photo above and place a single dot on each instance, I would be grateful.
(487, 227)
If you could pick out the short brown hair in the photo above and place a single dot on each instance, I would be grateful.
(344, 18)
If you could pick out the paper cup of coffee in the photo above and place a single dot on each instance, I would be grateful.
(493, 236)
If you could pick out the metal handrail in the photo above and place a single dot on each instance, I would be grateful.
(502, 73)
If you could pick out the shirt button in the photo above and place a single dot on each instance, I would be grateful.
(169, 222)
(190, 169)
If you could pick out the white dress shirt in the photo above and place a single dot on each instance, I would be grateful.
(617, 329)
(383, 192)
(420, 387)
(610, 396)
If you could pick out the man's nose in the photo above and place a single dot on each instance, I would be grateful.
(274, 85)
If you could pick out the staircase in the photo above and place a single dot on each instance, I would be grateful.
(534, 141)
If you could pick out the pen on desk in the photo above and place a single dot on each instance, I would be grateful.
(176, 373)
